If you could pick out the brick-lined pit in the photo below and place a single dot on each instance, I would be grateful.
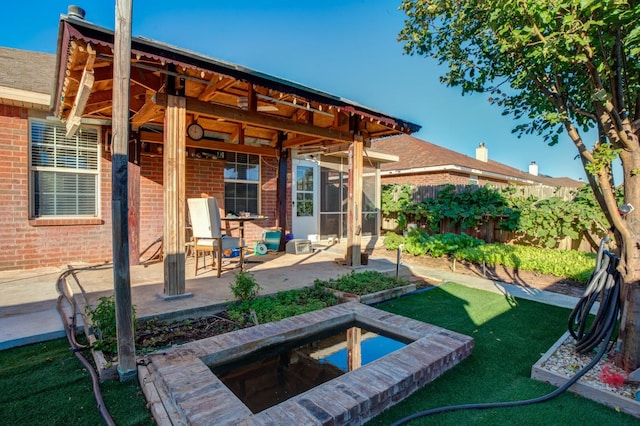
(182, 389)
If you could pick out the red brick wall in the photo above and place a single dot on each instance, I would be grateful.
(151, 202)
(27, 244)
(37, 243)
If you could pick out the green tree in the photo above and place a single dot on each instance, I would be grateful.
(555, 66)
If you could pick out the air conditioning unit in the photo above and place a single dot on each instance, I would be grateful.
(298, 246)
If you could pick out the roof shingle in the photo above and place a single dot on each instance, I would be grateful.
(26, 70)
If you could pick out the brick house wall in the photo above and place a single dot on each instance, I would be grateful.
(28, 244)
(37, 243)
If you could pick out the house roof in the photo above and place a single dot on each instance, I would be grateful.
(419, 156)
(26, 78)
(26, 70)
(236, 104)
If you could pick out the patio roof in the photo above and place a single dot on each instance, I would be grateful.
(239, 108)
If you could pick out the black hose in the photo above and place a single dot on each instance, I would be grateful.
(70, 329)
(605, 282)
(155, 253)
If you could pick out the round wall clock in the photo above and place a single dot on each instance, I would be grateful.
(195, 131)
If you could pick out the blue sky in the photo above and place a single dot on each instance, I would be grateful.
(347, 48)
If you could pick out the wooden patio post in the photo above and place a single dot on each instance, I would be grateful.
(119, 194)
(134, 147)
(354, 203)
(281, 192)
(354, 348)
(174, 175)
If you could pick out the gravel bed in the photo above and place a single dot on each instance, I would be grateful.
(566, 361)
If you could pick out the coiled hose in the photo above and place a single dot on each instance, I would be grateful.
(605, 282)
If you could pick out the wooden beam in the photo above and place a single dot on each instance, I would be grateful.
(281, 191)
(206, 144)
(215, 88)
(354, 348)
(119, 194)
(144, 114)
(300, 140)
(238, 133)
(354, 199)
(258, 119)
(101, 96)
(147, 80)
(332, 149)
(80, 101)
(174, 176)
(252, 99)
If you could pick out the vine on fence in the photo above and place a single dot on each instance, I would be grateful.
(540, 222)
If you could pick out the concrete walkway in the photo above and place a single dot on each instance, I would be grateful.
(28, 311)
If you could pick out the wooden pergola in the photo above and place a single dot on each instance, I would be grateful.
(239, 109)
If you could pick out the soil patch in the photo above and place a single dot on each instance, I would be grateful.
(156, 334)
(530, 279)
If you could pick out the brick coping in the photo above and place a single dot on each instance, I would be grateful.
(182, 389)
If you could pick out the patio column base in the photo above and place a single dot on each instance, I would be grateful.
(169, 297)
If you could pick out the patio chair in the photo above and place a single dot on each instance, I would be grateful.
(204, 215)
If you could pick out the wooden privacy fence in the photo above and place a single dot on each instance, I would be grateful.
(542, 192)
(489, 230)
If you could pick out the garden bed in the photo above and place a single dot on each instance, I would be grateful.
(376, 297)
(561, 361)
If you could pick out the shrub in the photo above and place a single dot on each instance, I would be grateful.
(392, 241)
(361, 283)
(283, 305)
(103, 319)
(244, 286)
(418, 243)
(572, 264)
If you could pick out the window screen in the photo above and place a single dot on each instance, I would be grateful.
(64, 171)
(241, 183)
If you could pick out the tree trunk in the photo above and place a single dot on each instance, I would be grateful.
(629, 356)
(629, 235)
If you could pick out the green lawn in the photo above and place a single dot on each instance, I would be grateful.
(510, 336)
(45, 384)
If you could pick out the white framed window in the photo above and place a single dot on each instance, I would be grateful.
(473, 180)
(64, 173)
(242, 183)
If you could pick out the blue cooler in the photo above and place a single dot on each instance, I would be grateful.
(271, 240)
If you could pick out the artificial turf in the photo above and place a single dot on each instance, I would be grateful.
(510, 336)
(44, 384)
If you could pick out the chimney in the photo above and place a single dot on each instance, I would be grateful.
(75, 12)
(533, 168)
(482, 153)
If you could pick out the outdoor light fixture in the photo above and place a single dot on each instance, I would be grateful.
(625, 209)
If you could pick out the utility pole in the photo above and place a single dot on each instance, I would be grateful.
(119, 195)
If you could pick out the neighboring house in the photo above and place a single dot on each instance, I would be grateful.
(423, 163)
(199, 127)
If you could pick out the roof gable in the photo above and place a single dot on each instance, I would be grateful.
(415, 154)
(238, 107)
